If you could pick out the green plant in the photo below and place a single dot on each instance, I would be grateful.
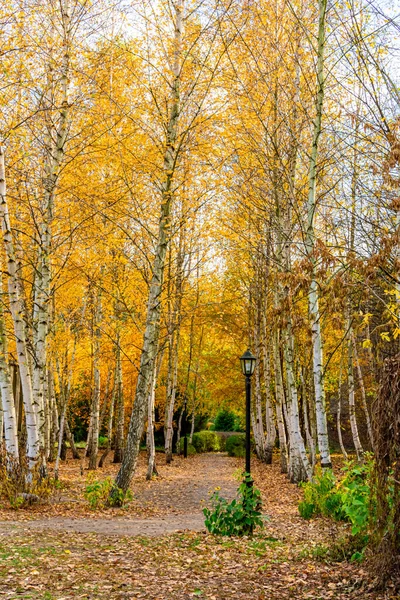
(315, 495)
(103, 441)
(225, 420)
(206, 441)
(236, 518)
(349, 500)
(104, 493)
(236, 445)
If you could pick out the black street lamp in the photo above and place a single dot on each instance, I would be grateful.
(248, 363)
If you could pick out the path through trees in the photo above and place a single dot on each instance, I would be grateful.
(122, 554)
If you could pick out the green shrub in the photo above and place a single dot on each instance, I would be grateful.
(236, 445)
(103, 441)
(236, 518)
(315, 495)
(198, 443)
(349, 500)
(225, 420)
(222, 443)
(206, 441)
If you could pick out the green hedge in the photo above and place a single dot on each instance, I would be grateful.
(236, 445)
(206, 441)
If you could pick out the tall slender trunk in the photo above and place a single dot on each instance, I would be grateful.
(307, 428)
(104, 404)
(151, 335)
(172, 388)
(151, 466)
(315, 316)
(97, 316)
(269, 413)
(55, 146)
(119, 442)
(352, 407)
(339, 412)
(109, 427)
(17, 312)
(299, 468)
(280, 400)
(53, 417)
(8, 413)
(65, 383)
(175, 324)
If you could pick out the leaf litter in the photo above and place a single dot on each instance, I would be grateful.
(286, 559)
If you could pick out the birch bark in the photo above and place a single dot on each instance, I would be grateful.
(17, 312)
(55, 145)
(151, 335)
(94, 446)
(8, 413)
(315, 316)
(119, 442)
(352, 408)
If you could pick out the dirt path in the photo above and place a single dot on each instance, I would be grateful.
(178, 500)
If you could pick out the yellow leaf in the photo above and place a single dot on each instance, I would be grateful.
(367, 344)
(385, 336)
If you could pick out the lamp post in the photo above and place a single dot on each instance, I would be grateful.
(248, 363)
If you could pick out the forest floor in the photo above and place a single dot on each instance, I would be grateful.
(157, 547)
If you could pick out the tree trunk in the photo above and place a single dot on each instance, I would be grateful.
(119, 442)
(7, 404)
(151, 467)
(109, 428)
(315, 316)
(55, 145)
(151, 335)
(17, 312)
(71, 441)
(299, 468)
(96, 384)
(269, 413)
(352, 408)
(338, 415)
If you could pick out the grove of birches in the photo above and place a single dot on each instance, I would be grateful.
(182, 180)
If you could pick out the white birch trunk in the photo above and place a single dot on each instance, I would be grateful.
(17, 312)
(151, 335)
(299, 468)
(338, 415)
(352, 407)
(280, 400)
(8, 413)
(151, 467)
(119, 403)
(315, 317)
(269, 412)
(94, 447)
(55, 152)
